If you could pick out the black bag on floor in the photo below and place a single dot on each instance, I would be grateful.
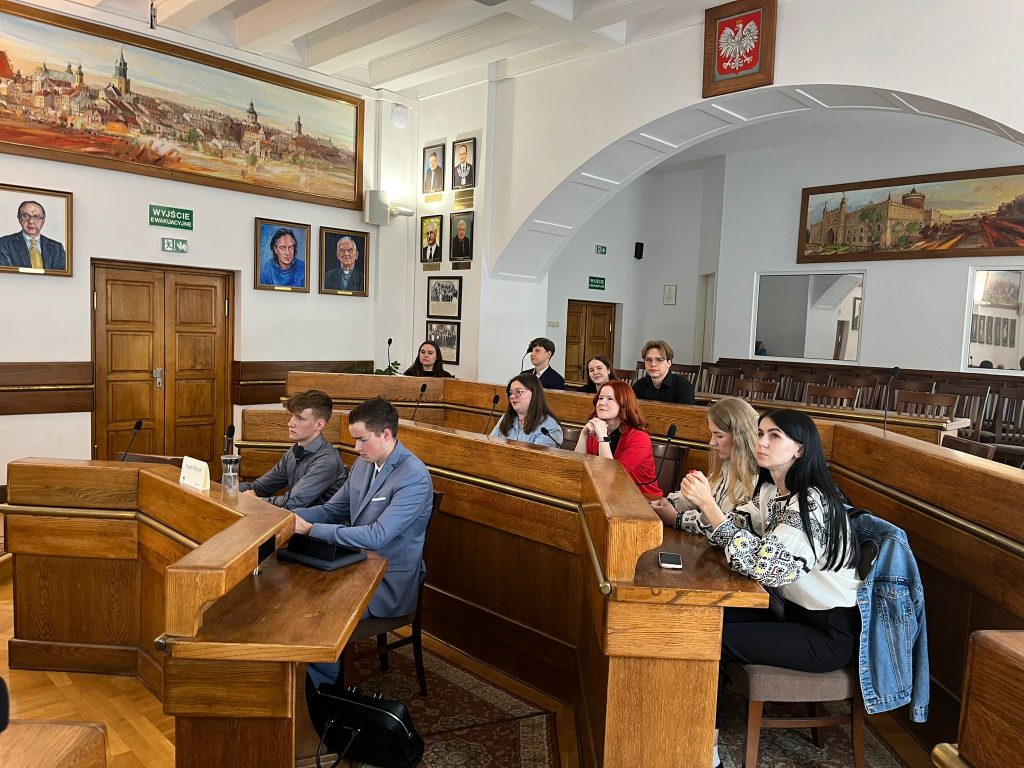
(370, 729)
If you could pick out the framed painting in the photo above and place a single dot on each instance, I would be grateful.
(989, 337)
(281, 256)
(446, 336)
(431, 230)
(125, 102)
(344, 262)
(444, 297)
(938, 215)
(464, 164)
(974, 328)
(433, 168)
(39, 242)
(739, 46)
(1001, 289)
(461, 246)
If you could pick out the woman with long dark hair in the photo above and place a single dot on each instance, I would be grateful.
(599, 373)
(617, 430)
(732, 467)
(528, 418)
(428, 362)
(793, 537)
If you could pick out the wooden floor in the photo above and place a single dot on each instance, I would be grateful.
(140, 735)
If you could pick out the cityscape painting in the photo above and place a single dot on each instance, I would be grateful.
(78, 92)
(968, 213)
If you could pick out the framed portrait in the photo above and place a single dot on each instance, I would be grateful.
(739, 46)
(446, 336)
(989, 337)
(281, 256)
(1013, 332)
(925, 216)
(1004, 334)
(260, 132)
(344, 262)
(461, 246)
(857, 304)
(39, 225)
(444, 297)
(464, 164)
(431, 232)
(433, 168)
(974, 328)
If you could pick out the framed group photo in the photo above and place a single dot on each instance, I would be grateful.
(431, 230)
(433, 168)
(281, 256)
(344, 262)
(39, 226)
(444, 297)
(446, 336)
(464, 164)
(461, 246)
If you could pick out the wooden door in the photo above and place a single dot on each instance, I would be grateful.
(589, 331)
(162, 355)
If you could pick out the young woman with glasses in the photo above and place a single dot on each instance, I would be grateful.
(617, 430)
(528, 418)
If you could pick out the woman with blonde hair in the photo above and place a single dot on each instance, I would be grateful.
(732, 466)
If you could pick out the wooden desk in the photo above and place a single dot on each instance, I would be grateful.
(53, 744)
(109, 557)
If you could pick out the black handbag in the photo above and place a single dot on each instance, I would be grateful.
(370, 729)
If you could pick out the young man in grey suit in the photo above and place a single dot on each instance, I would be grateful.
(384, 507)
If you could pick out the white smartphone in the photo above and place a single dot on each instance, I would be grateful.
(670, 560)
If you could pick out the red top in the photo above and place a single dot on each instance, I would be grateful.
(636, 456)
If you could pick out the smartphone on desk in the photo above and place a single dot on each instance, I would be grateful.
(670, 560)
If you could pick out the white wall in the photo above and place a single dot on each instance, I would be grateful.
(914, 310)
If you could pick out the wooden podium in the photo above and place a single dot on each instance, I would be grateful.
(119, 570)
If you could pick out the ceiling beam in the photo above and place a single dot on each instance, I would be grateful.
(280, 22)
(182, 14)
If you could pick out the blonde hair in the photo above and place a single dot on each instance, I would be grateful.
(739, 419)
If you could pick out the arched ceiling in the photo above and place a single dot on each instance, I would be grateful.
(742, 121)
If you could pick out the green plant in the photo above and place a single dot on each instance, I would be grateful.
(391, 370)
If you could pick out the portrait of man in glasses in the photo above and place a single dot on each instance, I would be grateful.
(29, 247)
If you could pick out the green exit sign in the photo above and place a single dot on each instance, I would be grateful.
(600, 249)
(175, 218)
(596, 283)
(173, 245)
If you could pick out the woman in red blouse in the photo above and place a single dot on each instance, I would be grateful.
(618, 431)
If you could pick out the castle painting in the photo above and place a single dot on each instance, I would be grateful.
(976, 213)
(78, 92)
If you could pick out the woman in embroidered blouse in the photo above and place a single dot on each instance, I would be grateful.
(732, 467)
(617, 430)
(794, 538)
(528, 416)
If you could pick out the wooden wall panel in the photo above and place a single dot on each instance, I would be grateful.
(46, 388)
(263, 381)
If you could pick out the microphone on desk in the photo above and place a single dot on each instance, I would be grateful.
(544, 431)
(135, 430)
(894, 373)
(229, 440)
(423, 388)
(487, 424)
(670, 435)
(523, 361)
(389, 351)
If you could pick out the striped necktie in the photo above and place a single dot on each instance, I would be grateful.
(34, 255)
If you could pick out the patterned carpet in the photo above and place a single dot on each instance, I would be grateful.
(784, 748)
(465, 721)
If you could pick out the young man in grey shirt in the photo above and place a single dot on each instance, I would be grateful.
(312, 470)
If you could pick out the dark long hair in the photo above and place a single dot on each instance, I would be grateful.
(810, 470)
(537, 411)
(416, 369)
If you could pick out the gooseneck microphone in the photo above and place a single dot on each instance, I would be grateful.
(670, 435)
(135, 430)
(523, 361)
(487, 424)
(894, 373)
(544, 431)
(389, 352)
(229, 440)
(423, 388)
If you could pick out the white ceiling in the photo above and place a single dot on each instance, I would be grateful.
(418, 47)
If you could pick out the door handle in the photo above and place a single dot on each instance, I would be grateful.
(158, 374)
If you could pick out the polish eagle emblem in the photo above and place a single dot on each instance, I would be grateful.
(735, 45)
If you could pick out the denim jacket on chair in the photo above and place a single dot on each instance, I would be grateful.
(893, 660)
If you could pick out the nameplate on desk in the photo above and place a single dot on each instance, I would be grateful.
(195, 474)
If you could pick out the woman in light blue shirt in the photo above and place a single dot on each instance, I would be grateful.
(528, 417)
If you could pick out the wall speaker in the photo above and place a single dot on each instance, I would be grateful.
(638, 251)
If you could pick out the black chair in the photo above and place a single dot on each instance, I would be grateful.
(380, 627)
